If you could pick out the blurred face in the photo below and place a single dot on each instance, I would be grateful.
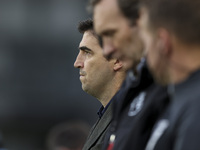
(95, 70)
(120, 39)
(154, 48)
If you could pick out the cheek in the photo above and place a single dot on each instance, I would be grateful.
(121, 43)
(152, 56)
(121, 38)
(116, 42)
(92, 67)
(147, 44)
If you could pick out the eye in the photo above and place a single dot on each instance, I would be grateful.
(109, 33)
(87, 52)
(84, 50)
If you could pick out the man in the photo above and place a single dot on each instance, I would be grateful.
(171, 33)
(68, 136)
(100, 78)
(115, 23)
(138, 104)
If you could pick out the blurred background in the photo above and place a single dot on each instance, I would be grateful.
(39, 87)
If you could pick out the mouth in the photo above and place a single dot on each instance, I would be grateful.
(82, 74)
(81, 78)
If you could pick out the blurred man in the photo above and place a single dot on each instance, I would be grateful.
(171, 33)
(100, 77)
(68, 136)
(139, 103)
(115, 24)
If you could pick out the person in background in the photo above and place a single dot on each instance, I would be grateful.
(171, 34)
(101, 78)
(141, 100)
(70, 135)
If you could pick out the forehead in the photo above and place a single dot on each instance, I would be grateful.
(106, 14)
(88, 39)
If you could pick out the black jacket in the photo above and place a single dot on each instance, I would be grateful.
(138, 105)
(97, 133)
(179, 127)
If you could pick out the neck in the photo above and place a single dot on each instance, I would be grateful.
(110, 90)
(108, 94)
(185, 61)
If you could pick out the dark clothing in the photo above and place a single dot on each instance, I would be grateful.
(179, 127)
(97, 133)
(136, 109)
(102, 110)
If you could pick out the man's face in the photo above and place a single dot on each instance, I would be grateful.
(154, 48)
(95, 70)
(120, 39)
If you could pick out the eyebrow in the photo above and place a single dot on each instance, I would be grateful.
(85, 48)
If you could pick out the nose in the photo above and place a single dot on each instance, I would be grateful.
(79, 63)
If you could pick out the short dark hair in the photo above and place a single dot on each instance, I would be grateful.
(182, 17)
(129, 8)
(85, 25)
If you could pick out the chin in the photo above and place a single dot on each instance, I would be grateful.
(85, 88)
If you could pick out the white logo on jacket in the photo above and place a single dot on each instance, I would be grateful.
(136, 104)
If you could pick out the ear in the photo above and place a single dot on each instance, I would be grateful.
(165, 43)
(117, 65)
